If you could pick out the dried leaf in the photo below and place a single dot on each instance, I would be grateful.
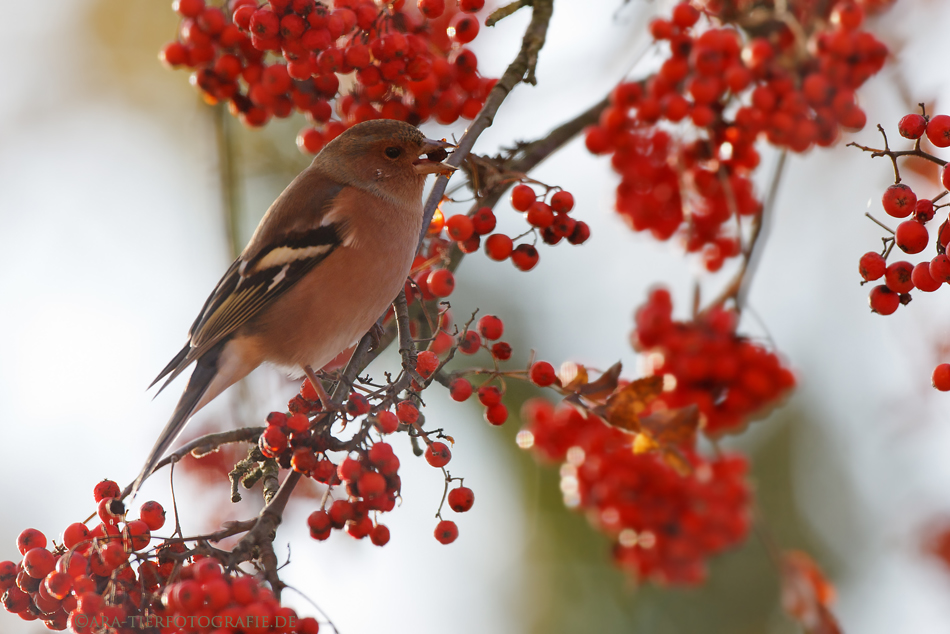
(573, 376)
(672, 426)
(626, 404)
(642, 443)
(807, 594)
(604, 386)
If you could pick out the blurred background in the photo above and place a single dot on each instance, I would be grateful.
(114, 229)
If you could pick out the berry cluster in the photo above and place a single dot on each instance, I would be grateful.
(289, 55)
(108, 579)
(550, 220)
(911, 236)
(663, 525)
(733, 89)
(730, 378)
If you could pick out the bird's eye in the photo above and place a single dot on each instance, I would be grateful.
(393, 152)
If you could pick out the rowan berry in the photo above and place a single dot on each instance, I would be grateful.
(580, 234)
(446, 532)
(111, 511)
(470, 343)
(522, 197)
(471, 245)
(498, 247)
(872, 266)
(461, 499)
(460, 389)
(941, 377)
(912, 126)
(357, 404)
(189, 8)
(386, 422)
(407, 412)
(464, 28)
(899, 200)
(940, 268)
(540, 215)
(38, 562)
(471, 6)
(883, 300)
(922, 278)
(938, 130)
(911, 236)
(297, 423)
(426, 363)
(29, 539)
(460, 227)
(490, 327)
(897, 277)
(74, 534)
(431, 9)
(562, 201)
(483, 221)
(496, 414)
(379, 535)
(153, 515)
(438, 454)
(441, 282)
(525, 257)
(501, 351)
(489, 395)
(924, 209)
(542, 374)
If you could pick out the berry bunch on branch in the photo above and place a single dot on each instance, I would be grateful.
(640, 456)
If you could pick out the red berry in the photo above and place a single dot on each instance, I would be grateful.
(562, 202)
(940, 268)
(426, 363)
(471, 343)
(912, 126)
(897, 276)
(111, 511)
(883, 300)
(357, 404)
(460, 389)
(542, 374)
(498, 246)
(189, 8)
(464, 28)
(922, 278)
(38, 562)
(153, 515)
(580, 234)
(446, 532)
(938, 130)
(940, 378)
(432, 9)
(441, 282)
(522, 197)
(386, 422)
(685, 15)
(872, 266)
(540, 215)
(379, 535)
(501, 351)
(461, 499)
(29, 539)
(483, 221)
(491, 327)
(496, 414)
(525, 257)
(471, 6)
(924, 209)
(319, 522)
(899, 200)
(298, 422)
(407, 412)
(489, 395)
(911, 236)
(438, 454)
(460, 227)
(74, 534)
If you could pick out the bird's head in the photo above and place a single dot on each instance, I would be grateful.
(387, 156)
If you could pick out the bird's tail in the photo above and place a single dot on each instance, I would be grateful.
(205, 371)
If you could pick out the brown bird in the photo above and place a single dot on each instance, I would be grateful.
(325, 262)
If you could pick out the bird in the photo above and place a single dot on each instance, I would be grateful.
(328, 258)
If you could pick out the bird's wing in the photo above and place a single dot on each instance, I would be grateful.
(298, 232)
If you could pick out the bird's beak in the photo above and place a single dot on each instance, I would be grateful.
(433, 153)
